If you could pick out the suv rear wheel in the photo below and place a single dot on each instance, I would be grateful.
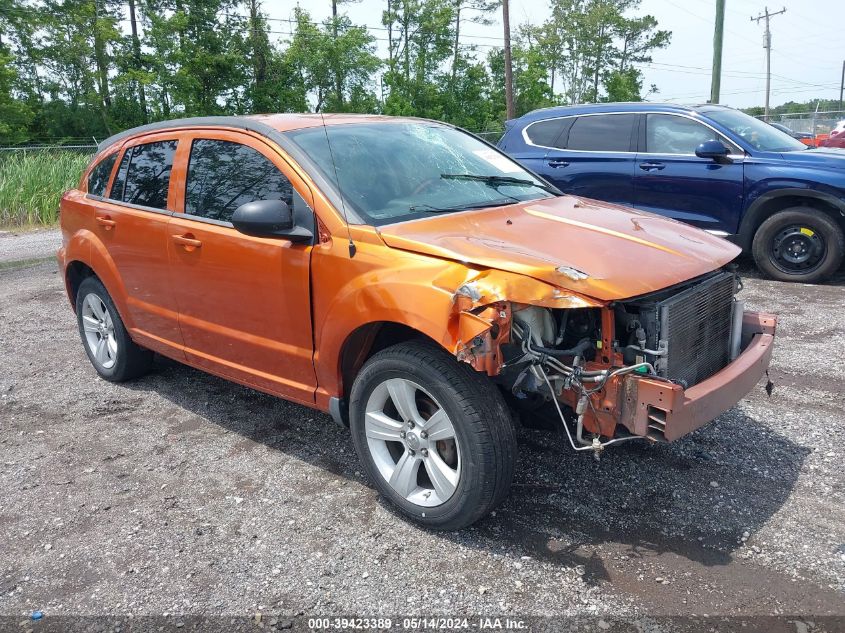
(115, 356)
(434, 436)
(799, 244)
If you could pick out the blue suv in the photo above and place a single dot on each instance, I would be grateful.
(710, 166)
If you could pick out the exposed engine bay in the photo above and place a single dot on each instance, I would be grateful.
(575, 360)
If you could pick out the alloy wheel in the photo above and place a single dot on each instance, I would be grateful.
(98, 326)
(412, 442)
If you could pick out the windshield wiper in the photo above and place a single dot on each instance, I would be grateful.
(497, 181)
(427, 208)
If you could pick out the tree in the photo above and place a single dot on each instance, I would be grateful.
(570, 35)
(204, 39)
(624, 85)
(78, 40)
(420, 42)
(336, 70)
(14, 114)
(639, 37)
(257, 49)
(79, 68)
(530, 72)
(473, 11)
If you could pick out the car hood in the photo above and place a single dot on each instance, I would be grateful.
(827, 157)
(588, 247)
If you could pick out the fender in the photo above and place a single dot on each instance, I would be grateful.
(757, 210)
(446, 301)
(84, 246)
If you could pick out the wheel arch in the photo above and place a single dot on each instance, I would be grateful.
(358, 347)
(771, 202)
(75, 273)
(87, 256)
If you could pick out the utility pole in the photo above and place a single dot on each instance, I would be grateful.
(768, 47)
(841, 86)
(716, 80)
(136, 58)
(506, 19)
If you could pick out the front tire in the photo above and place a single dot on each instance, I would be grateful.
(434, 436)
(114, 355)
(799, 244)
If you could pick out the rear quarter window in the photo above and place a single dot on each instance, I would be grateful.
(547, 133)
(98, 178)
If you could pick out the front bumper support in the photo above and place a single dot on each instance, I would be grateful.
(665, 411)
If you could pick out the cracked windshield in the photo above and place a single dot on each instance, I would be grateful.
(391, 172)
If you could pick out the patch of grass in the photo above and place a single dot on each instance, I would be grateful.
(32, 183)
(25, 263)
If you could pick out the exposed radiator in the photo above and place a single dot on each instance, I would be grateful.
(696, 325)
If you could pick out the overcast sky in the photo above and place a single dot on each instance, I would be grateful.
(808, 46)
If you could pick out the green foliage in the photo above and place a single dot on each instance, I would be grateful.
(335, 61)
(32, 183)
(530, 78)
(586, 42)
(624, 85)
(79, 69)
(14, 114)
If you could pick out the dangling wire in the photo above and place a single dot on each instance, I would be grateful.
(339, 190)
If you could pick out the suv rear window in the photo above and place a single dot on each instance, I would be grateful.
(223, 175)
(602, 133)
(99, 176)
(144, 175)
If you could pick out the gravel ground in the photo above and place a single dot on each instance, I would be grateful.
(29, 245)
(182, 494)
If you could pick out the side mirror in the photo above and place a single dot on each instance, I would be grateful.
(713, 149)
(269, 218)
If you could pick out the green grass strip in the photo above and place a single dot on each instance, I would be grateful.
(32, 183)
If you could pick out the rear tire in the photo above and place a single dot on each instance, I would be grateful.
(464, 469)
(799, 244)
(114, 355)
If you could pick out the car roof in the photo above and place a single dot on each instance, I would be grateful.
(632, 106)
(268, 125)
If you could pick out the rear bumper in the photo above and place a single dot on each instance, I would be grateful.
(666, 412)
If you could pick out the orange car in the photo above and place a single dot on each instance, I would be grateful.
(411, 280)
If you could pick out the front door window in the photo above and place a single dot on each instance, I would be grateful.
(223, 175)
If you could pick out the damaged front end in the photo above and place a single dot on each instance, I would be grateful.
(653, 367)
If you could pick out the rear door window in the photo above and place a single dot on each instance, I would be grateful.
(98, 179)
(602, 133)
(223, 175)
(143, 177)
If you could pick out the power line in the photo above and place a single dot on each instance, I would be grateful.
(744, 92)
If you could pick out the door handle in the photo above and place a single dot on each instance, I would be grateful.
(652, 166)
(188, 241)
(105, 221)
(556, 162)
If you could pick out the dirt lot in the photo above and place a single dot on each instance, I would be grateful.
(183, 494)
